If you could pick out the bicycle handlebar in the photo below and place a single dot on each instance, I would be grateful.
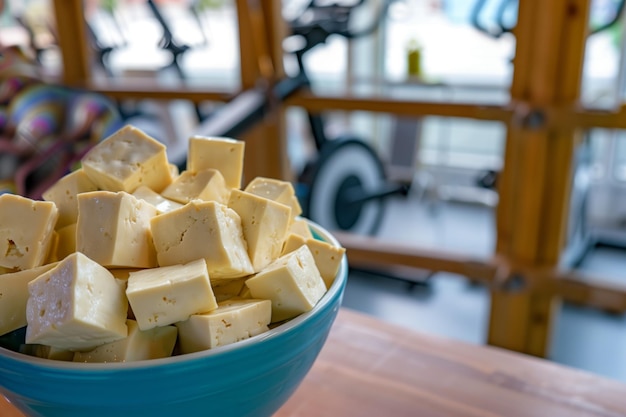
(334, 19)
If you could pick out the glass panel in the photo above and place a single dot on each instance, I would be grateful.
(452, 49)
(597, 218)
(169, 41)
(30, 24)
(463, 143)
(603, 73)
(457, 62)
(327, 78)
(619, 162)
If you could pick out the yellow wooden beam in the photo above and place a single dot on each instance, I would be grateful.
(370, 251)
(72, 36)
(266, 150)
(534, 193)
(318, 103)
(151, 90)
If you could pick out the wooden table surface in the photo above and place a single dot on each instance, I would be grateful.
(369, 368)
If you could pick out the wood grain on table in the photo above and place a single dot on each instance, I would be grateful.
(369, 368)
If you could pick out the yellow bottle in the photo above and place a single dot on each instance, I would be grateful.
(414, 59)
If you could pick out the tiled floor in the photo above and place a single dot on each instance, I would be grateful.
(450, 306)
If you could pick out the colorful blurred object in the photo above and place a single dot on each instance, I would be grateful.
(45, 129)
(17, 71)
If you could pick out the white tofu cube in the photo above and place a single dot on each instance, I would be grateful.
(327, 257)
(300, 227)
(26, 231)
(245, 292)
(277, 190)
(292, 282)
(53, 248)
(174, 171)
(63, 193)
(162, 204)
(265, 224)
(14, 295)
(127, 159)
(165, 295)
(78, 305)
(203, 229)
(228, 288)
(223, 154)
(206, 184)
(113, 229)
(122, 274)
(139, 345)
(67, 241)
(47, 352)
(232, 321)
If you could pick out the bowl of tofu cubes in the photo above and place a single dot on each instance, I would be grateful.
(134, 289)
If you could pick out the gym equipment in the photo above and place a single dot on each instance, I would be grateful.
(176, 49)
(345, 186)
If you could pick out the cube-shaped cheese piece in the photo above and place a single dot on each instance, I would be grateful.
(206, 184)
(63, 193)
(245, 293)
(47, 352)
(123, 274)
(292, 282)
(127, 159)
(53, 248)
(300, 227)
(4, 270)
(26, 229)
(327, 257)
(203, 229)
(77, 305)
(14, 295)
(165, 295)
(113, 229)
(265, 224)
(67, 241)
(139, 345)
(277, 190)
(224, 154)
(232, 321)
(162, 204)
(228, 288)
(174, 171)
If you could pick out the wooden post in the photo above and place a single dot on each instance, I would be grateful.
(260, 35)
(534, 190)
(71, 28)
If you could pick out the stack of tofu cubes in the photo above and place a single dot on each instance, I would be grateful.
(127, 259)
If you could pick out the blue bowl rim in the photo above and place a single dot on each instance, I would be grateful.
(331, 294)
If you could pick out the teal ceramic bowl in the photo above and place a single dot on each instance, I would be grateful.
(254, 377)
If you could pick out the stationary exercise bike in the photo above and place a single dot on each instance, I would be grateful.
(344, 187)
